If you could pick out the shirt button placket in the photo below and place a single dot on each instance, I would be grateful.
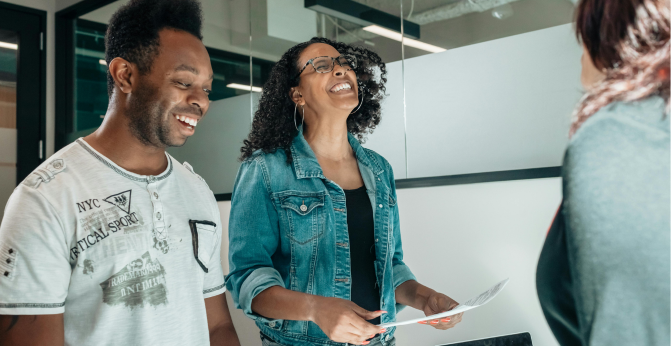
(159, 217)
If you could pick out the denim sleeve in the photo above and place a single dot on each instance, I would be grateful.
(401, 272)
(253, 234)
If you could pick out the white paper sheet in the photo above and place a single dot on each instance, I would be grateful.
(473, 303)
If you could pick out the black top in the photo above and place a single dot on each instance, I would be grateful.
(360, 226)
(554, 284)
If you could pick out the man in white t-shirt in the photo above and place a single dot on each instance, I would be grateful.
(111, 241)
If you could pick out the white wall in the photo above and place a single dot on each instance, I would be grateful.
(460, 240)
(499, 105)
(494, 106)
(214, 152)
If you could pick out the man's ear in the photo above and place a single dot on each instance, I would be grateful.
(296, 96)
(121, 71)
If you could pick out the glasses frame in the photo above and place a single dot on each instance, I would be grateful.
(333, 62)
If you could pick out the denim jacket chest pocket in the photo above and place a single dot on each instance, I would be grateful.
(304, 216)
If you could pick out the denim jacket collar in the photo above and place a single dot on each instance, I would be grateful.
(306, 165)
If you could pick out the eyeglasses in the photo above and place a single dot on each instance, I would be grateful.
(325, 64)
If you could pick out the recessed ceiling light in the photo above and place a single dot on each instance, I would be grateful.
(378, 30)
(243, 87)
(8, 45)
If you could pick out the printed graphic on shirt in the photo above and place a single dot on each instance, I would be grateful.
(89, 204)
(121, 244)
(100, 224)
(121, 200)
(141, 282)
(161, 242)
(88, 267)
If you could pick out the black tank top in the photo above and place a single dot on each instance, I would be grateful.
(360, 226)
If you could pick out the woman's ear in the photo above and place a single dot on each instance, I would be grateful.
(296, 96)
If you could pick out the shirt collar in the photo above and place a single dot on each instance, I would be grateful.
(130, 175)
(306, 165)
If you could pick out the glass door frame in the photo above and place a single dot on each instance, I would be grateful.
(30, 26)
(65, 66)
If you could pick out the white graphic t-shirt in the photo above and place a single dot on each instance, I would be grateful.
(128, 259)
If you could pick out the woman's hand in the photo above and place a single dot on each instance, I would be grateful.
(343, 321)
(420, 297)
(437, 303)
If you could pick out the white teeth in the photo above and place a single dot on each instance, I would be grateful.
(342, 86)
(190, 121)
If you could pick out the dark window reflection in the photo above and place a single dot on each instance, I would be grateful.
(231, 73)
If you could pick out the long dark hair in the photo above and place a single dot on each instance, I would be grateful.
(273, 126)
(630, 39)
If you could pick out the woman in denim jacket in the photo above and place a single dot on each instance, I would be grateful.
(315, 245)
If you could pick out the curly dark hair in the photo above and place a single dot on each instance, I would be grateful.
(133, 30)
(273, 126)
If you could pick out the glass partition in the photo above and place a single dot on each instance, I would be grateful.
(90, 81)
(9, 48)
(214, 149)
(449, 98)
(463, 114)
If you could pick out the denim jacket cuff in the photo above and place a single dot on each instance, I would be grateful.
(402, 274)
(259, 280)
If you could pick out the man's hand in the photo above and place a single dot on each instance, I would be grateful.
(219, 322)
(32, 330)
(437, 303)
(343, 321)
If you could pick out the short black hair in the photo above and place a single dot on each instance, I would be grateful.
(133, 30)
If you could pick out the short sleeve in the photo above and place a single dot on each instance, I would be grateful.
(214, 283)
(34, 256)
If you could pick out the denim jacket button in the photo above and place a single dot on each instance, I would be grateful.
(380, 205)
(386, 338)
(377, 240)
(272, 324)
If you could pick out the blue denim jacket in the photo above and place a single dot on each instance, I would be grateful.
(288, 227)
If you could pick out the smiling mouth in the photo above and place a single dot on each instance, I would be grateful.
(340, 87)
(189, 122)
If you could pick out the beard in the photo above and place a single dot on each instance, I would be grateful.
(148, 120)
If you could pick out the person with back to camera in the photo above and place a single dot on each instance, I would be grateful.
(603, 274)
(315, 244)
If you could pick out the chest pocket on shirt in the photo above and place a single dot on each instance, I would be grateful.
(305, 215)
(203, 238)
